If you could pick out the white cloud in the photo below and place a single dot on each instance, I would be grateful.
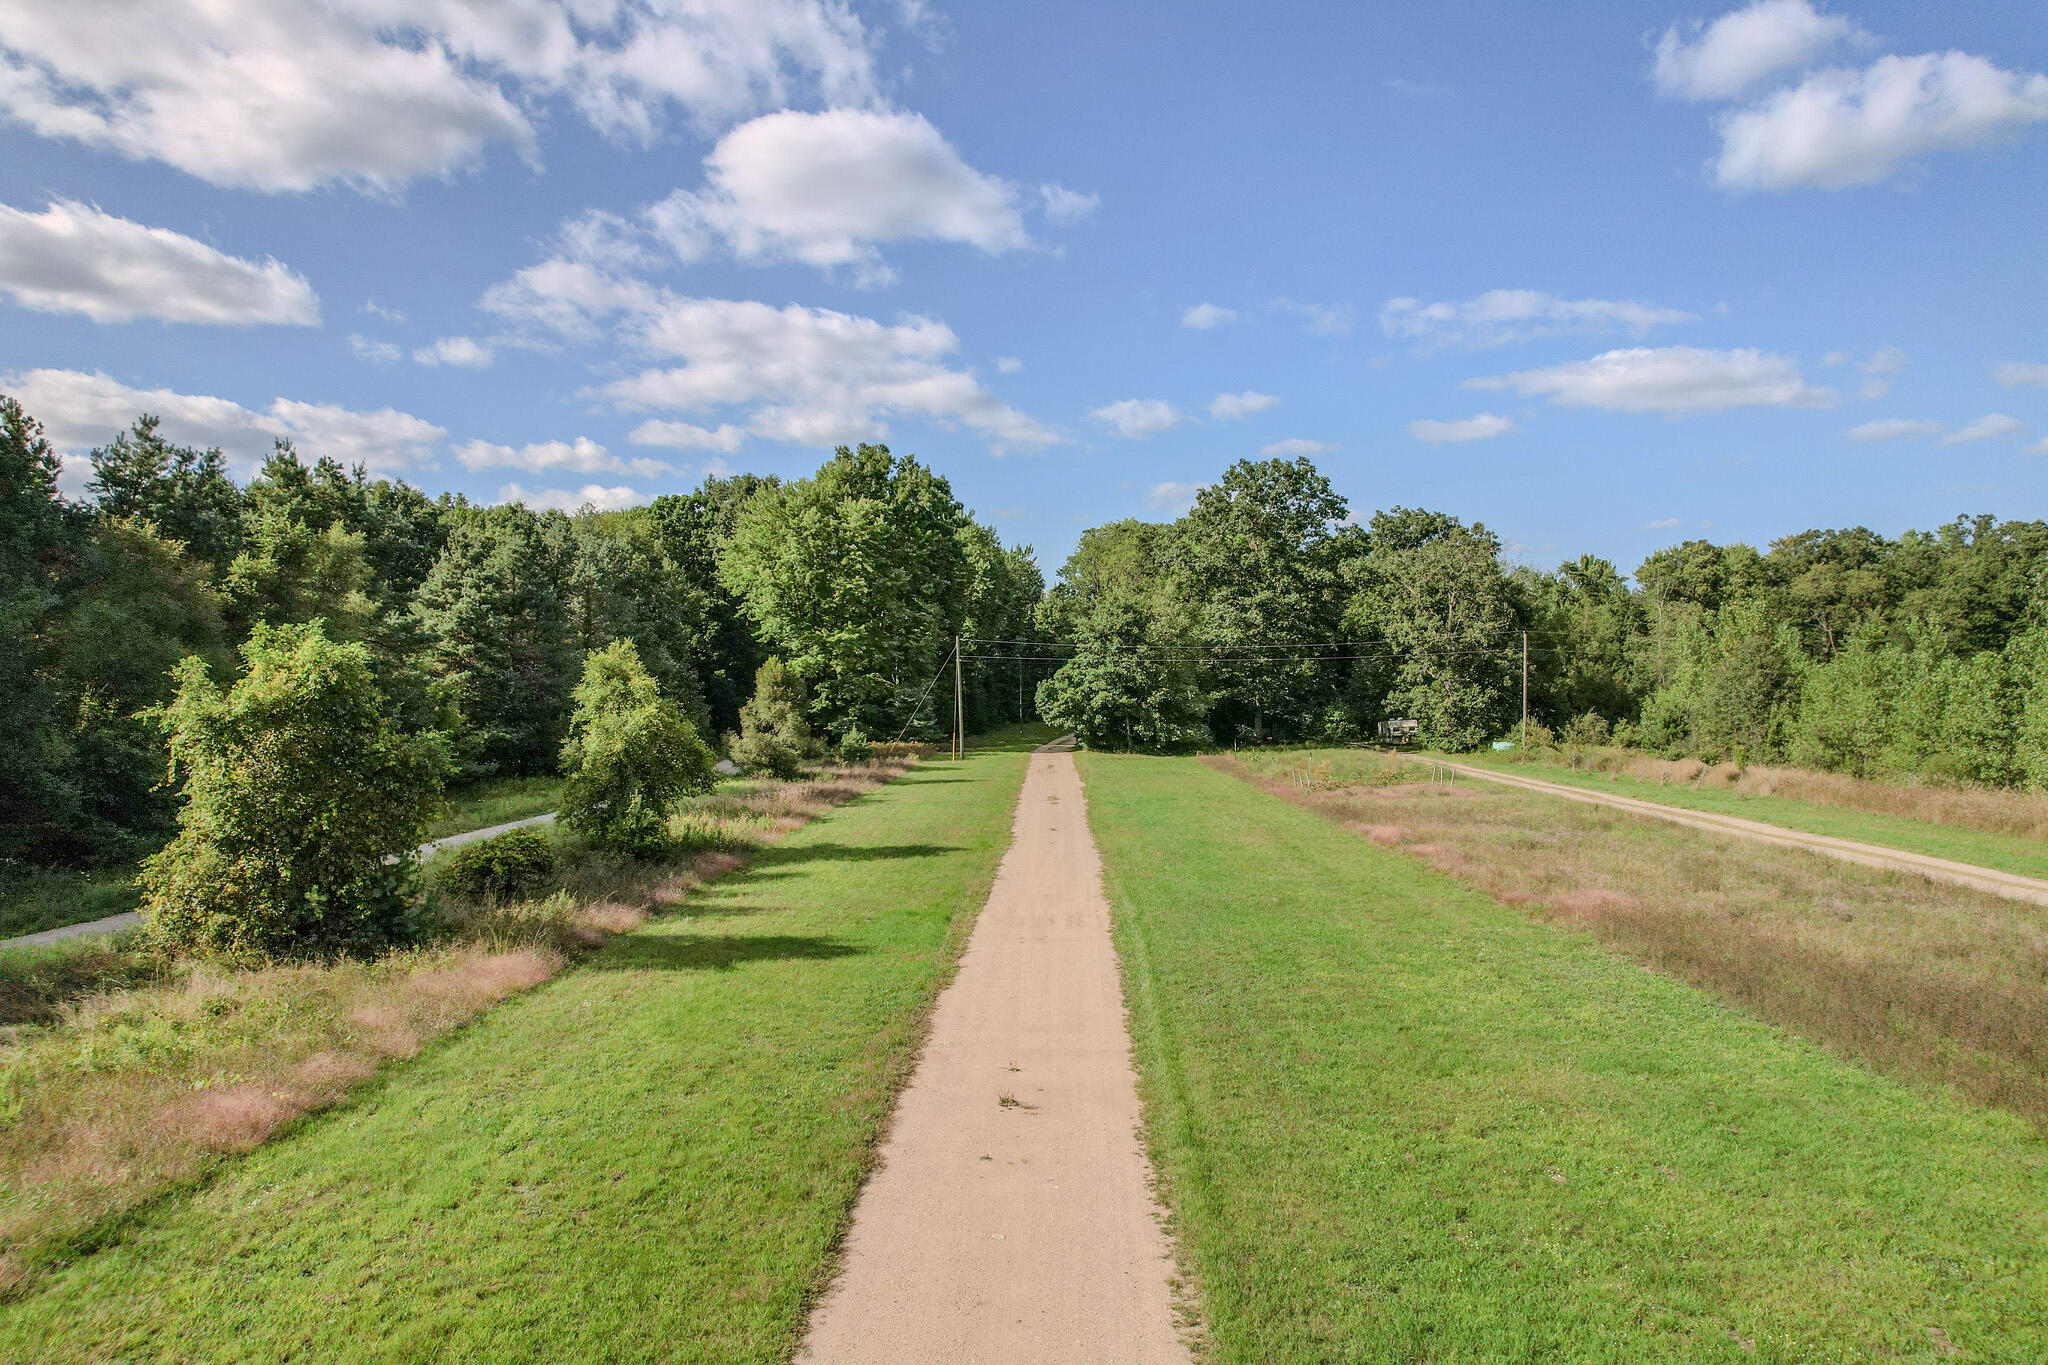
(1984, 428)
(1008, 364)
(1331, 319)
(2040, 447)
(824, 189)
(1483, 427)
(1174, 499)
(1500, 316)
(73, 258)
(80, 410)
(1840, 128)
(684, 436)
(1663, 524)
(1296, 445)
(1204, 316)
(808, 376)
(573, 499)
(378, 310)
(2015, 375)
(1229, 407)
(581, 456)
(1674, 380)
(1063, 205)
(1139, 419)
(293, 94)
(1722, 59)
(375, 351)
(1895, 429)
(466, 352)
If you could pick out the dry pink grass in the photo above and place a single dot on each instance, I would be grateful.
(1994, 812)
(140, 1090)
(1929, 981)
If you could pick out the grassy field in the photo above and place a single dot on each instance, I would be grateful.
(1395, 1120)
(496, 802)
(2024, 854)
(648, 1158)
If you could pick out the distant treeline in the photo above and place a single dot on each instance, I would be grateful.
(1265, 613)
(478, 618)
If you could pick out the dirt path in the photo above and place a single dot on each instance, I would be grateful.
(1012, 1218)
(2007, 884)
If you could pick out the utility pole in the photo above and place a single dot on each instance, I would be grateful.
(959, 709)
(1525, 691)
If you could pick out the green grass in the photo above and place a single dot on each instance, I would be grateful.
(53, 898)
(496, 801)
(649, 1158)
(1397, 1121)
(2015, 853)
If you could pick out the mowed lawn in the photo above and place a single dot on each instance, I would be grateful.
(2015, 853)
(647, 1159)
(1395, 1120)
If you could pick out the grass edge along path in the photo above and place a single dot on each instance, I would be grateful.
(650, 1157)
(2015, 853)
(1395, 1120)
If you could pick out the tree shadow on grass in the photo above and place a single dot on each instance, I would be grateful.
(784, 855)
(713, 952)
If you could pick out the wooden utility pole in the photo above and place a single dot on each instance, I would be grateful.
(1525, 691)
(959, 708)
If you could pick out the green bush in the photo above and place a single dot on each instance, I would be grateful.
(511, 866)
(774, 736)
(854, 747)
(303, 805)
(630, 756)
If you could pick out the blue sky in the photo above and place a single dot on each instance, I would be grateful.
(1603, 277)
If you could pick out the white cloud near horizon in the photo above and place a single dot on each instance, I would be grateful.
(1205, 317)
(807, 376)
(464, 352)
(75, 258)
(2017, 374)
(1295, 446)
(726, 438)
(1499, 317)
(581, 456)
(80, 410)
(1985, 428)
(1139, 419)
(1482, 427)
(1721, 60)
(1675, 381)
(1230, 407)
(1664, 524)
(291, 95)
(572, 499)
(1842, 127)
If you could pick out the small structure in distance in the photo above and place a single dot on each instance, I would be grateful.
(1400, 730)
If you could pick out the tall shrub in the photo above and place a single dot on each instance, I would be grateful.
(630, 756)
(774, 736)
(302, 804)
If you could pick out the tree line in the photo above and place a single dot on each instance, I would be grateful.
(1268, 613)
(474, 624)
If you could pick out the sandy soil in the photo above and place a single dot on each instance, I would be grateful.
(1012, 1218)
(2007, 884)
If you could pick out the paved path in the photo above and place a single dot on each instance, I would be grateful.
(114, 924)
(1012, 1219)
(2008, 884)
